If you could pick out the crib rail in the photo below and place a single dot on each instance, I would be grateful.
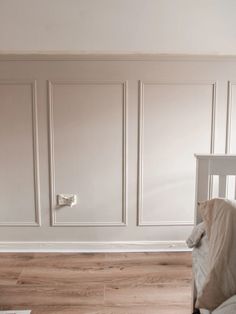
(215, 177)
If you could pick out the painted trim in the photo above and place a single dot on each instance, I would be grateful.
(214, 156)
(124, 221)
(37, 222)
(36, 155)
(95, 247)
(213, 116)
(140, 221)
(110, 56)
(164, 223)
(229, 116)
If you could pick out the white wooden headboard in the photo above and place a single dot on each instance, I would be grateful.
(210, 168)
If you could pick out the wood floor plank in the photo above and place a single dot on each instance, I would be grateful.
(11, 266)
(74, 260)
(30, 296)
(148, 275)
(98, 309)
(170, 258)
(15, 259)
(160, 294)
(9, 275)
(66, 260)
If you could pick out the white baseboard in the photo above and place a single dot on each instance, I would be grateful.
(95, 247)
(16, 312)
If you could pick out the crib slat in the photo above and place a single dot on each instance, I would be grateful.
(235, 188)
(202, 186)
(222, 186)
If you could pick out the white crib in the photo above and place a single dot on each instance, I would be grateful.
(215, 177)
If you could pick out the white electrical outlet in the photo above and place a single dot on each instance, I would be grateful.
(66, 200)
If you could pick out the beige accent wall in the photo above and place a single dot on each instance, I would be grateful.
(120, 26)
(120, 134)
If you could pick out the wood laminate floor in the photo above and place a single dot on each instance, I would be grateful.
(115, 283)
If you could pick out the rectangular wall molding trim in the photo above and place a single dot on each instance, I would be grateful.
(35, 149)
(142, 84)
(228, 139)
(124, 214)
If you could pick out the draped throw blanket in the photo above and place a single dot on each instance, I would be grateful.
(219, 216)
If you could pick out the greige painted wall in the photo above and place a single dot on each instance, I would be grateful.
(113, 124)
(157, 26)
